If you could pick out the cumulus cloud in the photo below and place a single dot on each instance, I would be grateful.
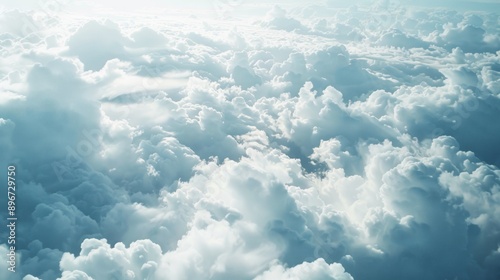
(106, 40)
(263, 141)
(97, 260)
(319, 269)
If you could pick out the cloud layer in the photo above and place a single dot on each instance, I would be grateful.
(288, 142)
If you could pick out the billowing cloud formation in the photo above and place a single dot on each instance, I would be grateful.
(305, 142)
(319, 269)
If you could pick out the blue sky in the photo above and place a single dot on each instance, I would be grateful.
(252, 140)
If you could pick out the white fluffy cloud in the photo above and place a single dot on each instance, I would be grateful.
(252, 141)
(318, 269)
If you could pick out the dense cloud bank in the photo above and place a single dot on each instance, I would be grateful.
(320, 142)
